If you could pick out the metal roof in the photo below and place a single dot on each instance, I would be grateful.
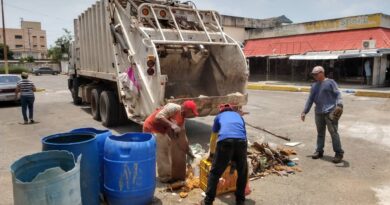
(331, 41)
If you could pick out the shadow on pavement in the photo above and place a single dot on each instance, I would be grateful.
(343, 164)
(9, 104)
(230, 199)
(128, 127)
(156, 201)
(86, 109)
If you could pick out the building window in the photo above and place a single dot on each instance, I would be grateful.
(42, 37)
(18, 46)
(42, 46)
(35, 46)
(18, 37)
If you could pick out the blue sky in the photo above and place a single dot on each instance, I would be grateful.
(55, 14)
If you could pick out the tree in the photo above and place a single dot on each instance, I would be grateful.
(55, 54)
(28, 59)
(10, 54)
(61, 46)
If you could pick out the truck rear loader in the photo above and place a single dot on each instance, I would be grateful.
(130, 57)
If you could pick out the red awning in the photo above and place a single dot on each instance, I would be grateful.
(330, 41)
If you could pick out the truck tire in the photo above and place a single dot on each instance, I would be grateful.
(108, 106)
(95, 110)
(75, 90)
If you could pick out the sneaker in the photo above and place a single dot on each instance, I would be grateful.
(25, 122)
(32, 121)
(317, 155)
(338, 158)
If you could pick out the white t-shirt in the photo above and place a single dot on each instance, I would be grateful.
(169, 110)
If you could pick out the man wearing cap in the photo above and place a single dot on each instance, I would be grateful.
(168, 125)
(329, 107)
(26, 88)
(231, 146)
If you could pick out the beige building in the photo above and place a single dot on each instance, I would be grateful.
(29, 40)
(239, 27)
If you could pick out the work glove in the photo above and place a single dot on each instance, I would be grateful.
(336, 113)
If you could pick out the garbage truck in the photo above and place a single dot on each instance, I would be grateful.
(130, 57)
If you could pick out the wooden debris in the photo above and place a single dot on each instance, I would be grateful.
(265, 160)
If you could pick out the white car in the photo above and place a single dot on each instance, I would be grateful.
(8, 87)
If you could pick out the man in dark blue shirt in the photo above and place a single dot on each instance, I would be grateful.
(231, 146)
(326, 95)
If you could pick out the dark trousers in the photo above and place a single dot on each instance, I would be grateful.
(228, 150)
(27, 103)
(323, 121)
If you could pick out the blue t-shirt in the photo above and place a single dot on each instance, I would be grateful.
(229, 125)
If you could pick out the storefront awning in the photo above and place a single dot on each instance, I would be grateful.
(333, 55)
(314, 57)
(314, 42)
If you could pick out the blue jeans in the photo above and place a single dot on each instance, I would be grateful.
(27, 103)
(323, 121)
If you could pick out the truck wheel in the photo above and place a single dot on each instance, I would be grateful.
(108, 106)
(95, 104)
(75, 90)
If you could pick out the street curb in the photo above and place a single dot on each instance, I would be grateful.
(277, 88)
(360, 93)
(372, 94)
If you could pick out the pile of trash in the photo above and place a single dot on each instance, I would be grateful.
(264, 159)
(191, 182)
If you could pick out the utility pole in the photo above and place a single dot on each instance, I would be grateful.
(5, 52)
(29, 41)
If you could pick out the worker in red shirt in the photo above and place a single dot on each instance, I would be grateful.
(168, 126)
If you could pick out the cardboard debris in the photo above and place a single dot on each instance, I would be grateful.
(186, 186)
(183, 194)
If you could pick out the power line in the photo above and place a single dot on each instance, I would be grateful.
(33, 11)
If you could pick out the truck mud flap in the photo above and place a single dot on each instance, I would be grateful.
(208, 105)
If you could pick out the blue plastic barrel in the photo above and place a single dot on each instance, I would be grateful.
(85, 144)
(101, 136)
(46, 178)
(130, 169)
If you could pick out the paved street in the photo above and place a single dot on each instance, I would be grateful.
(362, 178)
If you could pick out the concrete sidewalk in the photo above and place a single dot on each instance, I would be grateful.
(366, 92)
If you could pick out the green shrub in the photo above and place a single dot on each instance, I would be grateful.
(14, 69)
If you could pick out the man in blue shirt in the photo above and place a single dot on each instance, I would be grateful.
(327, 97)
(231, 146)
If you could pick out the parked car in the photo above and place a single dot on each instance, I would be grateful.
(44, 70)
(8, 87)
